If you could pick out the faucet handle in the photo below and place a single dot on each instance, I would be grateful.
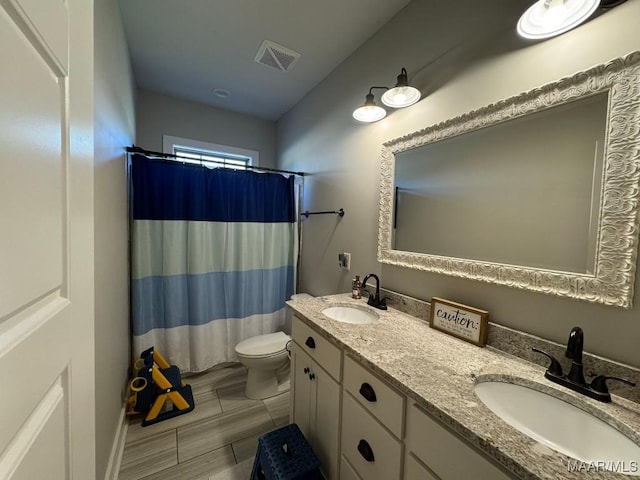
(599, 384)
(554, 368)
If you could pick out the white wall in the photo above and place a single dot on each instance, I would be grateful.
(461, 60)
(159, 115)
(114, 129)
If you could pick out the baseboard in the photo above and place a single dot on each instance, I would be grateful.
(113, 468)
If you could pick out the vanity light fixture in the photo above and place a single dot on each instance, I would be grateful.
(548, 18)
(400, 96)
(370, 111)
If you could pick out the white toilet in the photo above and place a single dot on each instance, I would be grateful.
(267, 361)
(264, 356)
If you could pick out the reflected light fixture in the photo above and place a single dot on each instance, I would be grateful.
(400, 96)
(548, 18)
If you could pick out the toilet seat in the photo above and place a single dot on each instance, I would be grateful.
(267, 345)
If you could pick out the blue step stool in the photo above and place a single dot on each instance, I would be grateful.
(284, 454)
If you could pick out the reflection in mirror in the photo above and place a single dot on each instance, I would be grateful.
(536, 180)
(539, 191)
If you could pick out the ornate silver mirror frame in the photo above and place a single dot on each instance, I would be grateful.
(617, 233)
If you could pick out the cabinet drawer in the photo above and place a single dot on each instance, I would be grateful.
(384, 402)
(444, 453)
(370, 449)
(317, 347)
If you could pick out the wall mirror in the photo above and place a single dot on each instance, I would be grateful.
(540, 191)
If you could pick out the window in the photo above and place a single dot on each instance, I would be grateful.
(209, 154)
(211, 159)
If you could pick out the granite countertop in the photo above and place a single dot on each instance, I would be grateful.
(438, 372)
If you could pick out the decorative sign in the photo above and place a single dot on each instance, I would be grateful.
(462, 321)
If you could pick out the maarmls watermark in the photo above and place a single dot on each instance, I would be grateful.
(603, 466)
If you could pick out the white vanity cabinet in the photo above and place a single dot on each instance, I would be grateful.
(316, 371)
(362, 428)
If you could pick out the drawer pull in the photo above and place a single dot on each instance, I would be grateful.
(368, 392)
(365, 450)
(312, 376)
(306, 370)
(310, 342)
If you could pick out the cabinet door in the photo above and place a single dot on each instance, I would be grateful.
(301, 402)
(316, 410)
(347, 472)
(415, 470)
(326, 424)
(448, 456)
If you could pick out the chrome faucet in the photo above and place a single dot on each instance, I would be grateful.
(575, 378)
(374, 300)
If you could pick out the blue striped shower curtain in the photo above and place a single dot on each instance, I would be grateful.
(213, 258)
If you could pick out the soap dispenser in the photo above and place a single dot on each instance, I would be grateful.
(356, 288)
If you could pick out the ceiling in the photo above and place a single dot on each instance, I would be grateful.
(191, 48)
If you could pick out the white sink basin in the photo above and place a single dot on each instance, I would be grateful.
(559, 425)
(347, 314)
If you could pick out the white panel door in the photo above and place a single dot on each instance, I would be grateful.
(46, 257)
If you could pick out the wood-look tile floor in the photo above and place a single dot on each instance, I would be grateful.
(215, 441)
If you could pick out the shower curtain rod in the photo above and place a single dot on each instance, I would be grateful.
(134, 149)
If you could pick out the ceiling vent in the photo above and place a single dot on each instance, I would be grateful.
(276, 56)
